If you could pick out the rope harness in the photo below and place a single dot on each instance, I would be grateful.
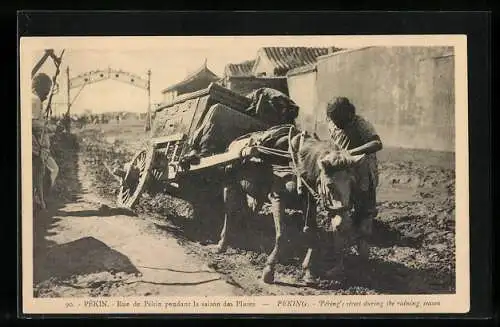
(321, 197)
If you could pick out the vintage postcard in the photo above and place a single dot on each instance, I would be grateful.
(244, 174)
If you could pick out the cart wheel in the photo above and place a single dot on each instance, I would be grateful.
(135, 179)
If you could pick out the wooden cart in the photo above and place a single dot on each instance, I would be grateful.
(173, 127)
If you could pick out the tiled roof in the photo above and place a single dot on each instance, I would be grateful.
(286, 58)
(301, 70)
(240, 69)
(203, 71)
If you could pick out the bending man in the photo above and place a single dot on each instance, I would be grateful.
(346, 126)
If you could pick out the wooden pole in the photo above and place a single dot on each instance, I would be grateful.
(68, 95)
(149, 118)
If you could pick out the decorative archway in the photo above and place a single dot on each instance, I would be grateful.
(79, 82)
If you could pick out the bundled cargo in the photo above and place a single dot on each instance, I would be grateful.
(272, 107)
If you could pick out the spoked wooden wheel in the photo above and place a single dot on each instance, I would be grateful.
(135, 179)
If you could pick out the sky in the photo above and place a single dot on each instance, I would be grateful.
(170, 61)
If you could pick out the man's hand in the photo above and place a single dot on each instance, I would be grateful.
(367, 148)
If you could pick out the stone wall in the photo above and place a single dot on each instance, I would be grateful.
(408, 93)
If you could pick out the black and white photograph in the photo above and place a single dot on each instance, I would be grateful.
(245, 174)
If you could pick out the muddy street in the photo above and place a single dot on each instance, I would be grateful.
(84, 246)
(90, 248)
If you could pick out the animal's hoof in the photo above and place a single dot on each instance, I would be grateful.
(309, 279)
(220, 248)
(268, 275)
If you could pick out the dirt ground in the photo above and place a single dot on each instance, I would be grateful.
(84, 246)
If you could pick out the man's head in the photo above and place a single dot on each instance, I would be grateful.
(41, 85)
(341, 111)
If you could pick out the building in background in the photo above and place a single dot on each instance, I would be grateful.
(238, 78)
(269, 68)
(277, 61)
(242, 69)
(198, 80)
(408, 93)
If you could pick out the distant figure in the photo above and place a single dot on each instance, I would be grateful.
(66, 122)
(346, 127)
(118, 119)
(149, 119)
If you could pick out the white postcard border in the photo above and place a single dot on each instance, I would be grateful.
(449, 303)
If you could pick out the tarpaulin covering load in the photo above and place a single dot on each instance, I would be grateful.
(220, 127)
(272, 107)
